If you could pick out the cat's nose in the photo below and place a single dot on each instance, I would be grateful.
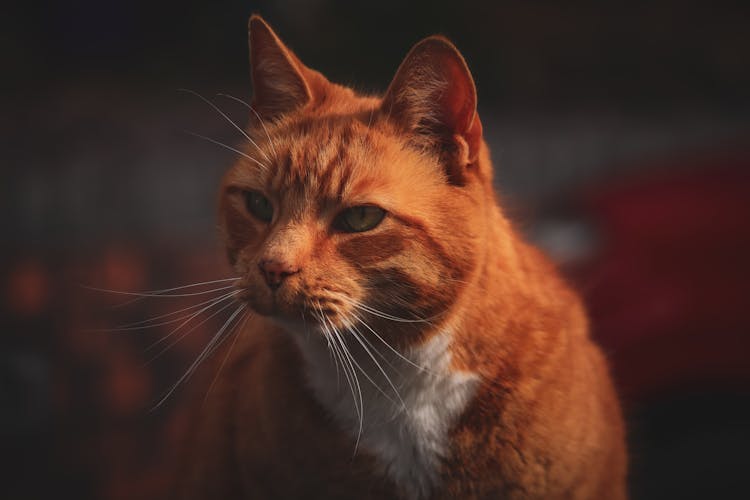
(276, 272)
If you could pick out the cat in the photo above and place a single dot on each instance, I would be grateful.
(405, 342)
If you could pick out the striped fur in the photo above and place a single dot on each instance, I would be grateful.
(476, 377)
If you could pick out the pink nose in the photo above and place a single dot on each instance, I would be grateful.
(276, 272)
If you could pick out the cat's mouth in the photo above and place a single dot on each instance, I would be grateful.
(310, 311)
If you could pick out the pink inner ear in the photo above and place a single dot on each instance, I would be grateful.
(459, 104)
(458, 98)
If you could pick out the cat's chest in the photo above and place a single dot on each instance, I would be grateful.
(287, 445)
(398, 412)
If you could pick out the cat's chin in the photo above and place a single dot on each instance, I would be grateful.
(296, 326)
(298, 323)
(303, 326)
(267, 305)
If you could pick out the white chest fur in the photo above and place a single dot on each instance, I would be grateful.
(404, 423)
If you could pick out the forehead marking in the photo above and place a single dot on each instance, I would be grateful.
(320, 160)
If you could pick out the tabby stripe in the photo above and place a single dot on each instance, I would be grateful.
(370, 249)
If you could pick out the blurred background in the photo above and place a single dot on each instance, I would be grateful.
(620, 133)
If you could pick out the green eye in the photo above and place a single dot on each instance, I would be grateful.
(258, 205)
(358, 219)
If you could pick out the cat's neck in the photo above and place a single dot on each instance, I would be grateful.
(402, 403)
(399, 407)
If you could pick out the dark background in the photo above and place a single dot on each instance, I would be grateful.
(620, 136)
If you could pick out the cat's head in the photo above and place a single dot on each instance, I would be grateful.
(352, 211)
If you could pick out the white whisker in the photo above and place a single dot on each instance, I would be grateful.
(380, 314)
(226, 117)
(147, 322)
(338, 351)
(164, 290)
(237, 328)
(181, 336)
(339, 356)
(379, 367)
(215, 341)
(355, 316)
(350, 360)
(211, 349)
(262, 123)
(192, 316)
(159, 295)
(330, 347)
(230, 148)
(150, 323)
(191, 285)
(376, 350)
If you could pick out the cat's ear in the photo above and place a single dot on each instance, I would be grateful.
(433, 98)
(281, 83)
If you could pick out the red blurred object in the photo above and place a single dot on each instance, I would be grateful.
(122, 268)
(669, 292)
(28, 289)
(127, 386)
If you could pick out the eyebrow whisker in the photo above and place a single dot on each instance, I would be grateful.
(226, 117)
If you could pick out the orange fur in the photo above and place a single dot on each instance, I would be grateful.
(542, 419)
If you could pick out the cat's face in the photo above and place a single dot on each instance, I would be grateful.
(337, 217)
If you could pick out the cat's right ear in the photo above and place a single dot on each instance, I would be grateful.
(281, 83)
(433, 98)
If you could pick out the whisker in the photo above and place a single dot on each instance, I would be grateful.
(328, 340)
(194, 315)
(214, 348)
(389, 346)
(182, 336)
(333, 349)
(164, 290)
(367, 376)
(380, 314)
(150, 323)
(146, 322)
(349, 378)
(201, 357)
(377, 351)
(243, 320)
(159, 295)
(226, 117)
(262, 123)
(351, 361)
(360, 338)
(230, 148)
(338, 353)
(190, 285)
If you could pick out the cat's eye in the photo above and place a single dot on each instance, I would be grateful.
(258, 205)
(358, 219)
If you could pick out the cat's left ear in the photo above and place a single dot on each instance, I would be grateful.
(434, 98)
(281, 83)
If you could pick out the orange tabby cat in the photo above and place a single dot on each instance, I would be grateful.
(405, 342)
